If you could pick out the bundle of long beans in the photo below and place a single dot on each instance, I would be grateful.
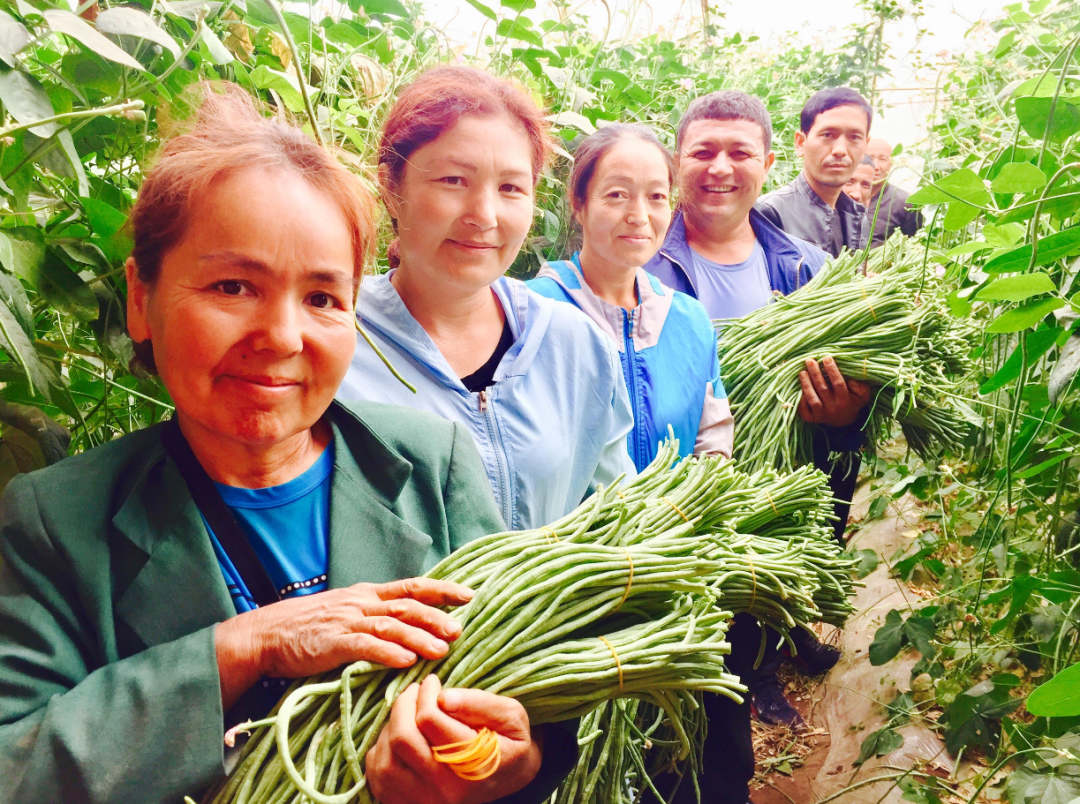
(889, 326)
(623, 597)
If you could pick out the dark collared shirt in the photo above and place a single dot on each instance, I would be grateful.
(894, 214)
(799, 211)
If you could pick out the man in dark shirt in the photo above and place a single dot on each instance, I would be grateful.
(893, 212)
(831, 140)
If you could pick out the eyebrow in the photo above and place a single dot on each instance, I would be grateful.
(244, 262)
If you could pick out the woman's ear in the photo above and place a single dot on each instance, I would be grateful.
(138, 296)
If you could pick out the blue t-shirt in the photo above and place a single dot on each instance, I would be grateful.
(732, 291)
(288, 527)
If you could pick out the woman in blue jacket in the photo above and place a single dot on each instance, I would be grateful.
(620, 189)
(534, 381)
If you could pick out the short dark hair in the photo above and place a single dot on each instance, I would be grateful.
(591, 150)
(727, 104)
(830, 98)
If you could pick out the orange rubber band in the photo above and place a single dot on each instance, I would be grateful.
(677, 511)
(472, 760)
(615, 656)
(629, 581)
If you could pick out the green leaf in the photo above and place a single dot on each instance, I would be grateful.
(78, 172)
(1058, 697)
(920, 631)
(868, 562)
(219, 54)
(1004, 235)
(126, 21)
(391, 8)
(13, 38)
(958, 215)
(879, 743)
(1018, 177)
(1052, 248)
(105, 219)
(63, 287)
(485, 10)
(518, 29)
(1027, 786)
(887, 640)
(1034, 116)
(189, 9)
(973, 247)
(72, 25)
(1037, 344)
(283, 83)
(25, 100)
(1017, 288)
(964, 185)
(18, 343)
(518, 5)
(574, 120)
(1026, 316)
(974, 718)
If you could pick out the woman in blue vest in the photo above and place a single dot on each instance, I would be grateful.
(620, 191)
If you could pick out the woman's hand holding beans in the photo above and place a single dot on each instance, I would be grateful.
(390, 623)
(400, 768)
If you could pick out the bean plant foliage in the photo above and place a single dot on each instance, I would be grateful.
(88, 91)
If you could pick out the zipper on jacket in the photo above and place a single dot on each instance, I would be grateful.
(503, 479)
(631, 382)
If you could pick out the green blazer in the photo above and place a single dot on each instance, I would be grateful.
(110, 591)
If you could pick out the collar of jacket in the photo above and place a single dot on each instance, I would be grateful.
(782, 257)
(380, 306)
(162, 528)
(845, 204)
(646, 319)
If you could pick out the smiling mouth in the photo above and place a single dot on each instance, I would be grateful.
(474, 246)
(719, 189)
(262, 381)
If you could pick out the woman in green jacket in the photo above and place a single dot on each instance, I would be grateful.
(134, 626)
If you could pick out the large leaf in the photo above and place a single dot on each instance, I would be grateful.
(487, 11)
(1018, 177)
(888, 639)
(519, 29)
(1034, 116)
(392, 8)
(63, 287)
(974, 717)
(1058, 697)
(1052, 248)
(190, 9)
(105, 219)
(518, 5)
(1050, 786)
(284, 84)
(89, 37)
(25, 100)
(962, 185)
(13, 38)
(1017, 288)
(1036, 344)
(1025, 316)
(125, 21)
(17, 342)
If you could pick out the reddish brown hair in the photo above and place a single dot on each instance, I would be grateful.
(440, 97)
(229, 134)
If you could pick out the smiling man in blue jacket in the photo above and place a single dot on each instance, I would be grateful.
(720, 250)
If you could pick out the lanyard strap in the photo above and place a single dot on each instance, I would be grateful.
(222, 521)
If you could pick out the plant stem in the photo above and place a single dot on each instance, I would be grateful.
(120, 108)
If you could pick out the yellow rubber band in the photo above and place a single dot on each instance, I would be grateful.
(615, 656)
(551, 535)
(769, 496)
(753, 580)
(677, 511)
(474, 759)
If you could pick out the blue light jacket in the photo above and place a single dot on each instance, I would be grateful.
(789, 261)
(551, 427)
(667, 347)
